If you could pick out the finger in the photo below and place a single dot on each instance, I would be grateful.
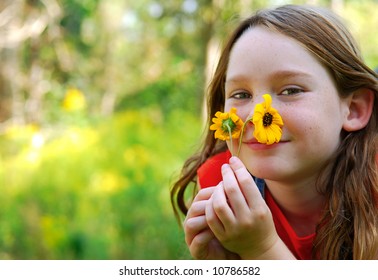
(198, 205)
(233, 192)
(247, 184)
(212, 219)
(221, 208)
(199, 247)
(193, 227)
(196, 209)
(204, 194)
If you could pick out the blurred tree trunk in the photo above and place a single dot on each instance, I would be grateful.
(108, 20)
(22, 84)
(211, 45)
(212, 39)
(9, 68)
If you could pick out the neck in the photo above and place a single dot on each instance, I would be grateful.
(301, 204)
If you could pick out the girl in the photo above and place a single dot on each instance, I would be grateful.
(318, 193)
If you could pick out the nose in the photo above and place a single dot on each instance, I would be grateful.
(250, 113)
(258, 99)
(248, 121)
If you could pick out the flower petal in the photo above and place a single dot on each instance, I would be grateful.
(233, 110)
(277, 120)
(224, 122)
(271, 139)
(261, 136)
(270, 133)
(274, 134)
(214, 126)
(267, 101)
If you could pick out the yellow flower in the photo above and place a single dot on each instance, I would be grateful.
(268, 122)
(227, 125)
(74, 100)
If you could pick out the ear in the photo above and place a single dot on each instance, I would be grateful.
(360, 109)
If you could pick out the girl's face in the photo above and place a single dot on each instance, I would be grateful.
(264, 61)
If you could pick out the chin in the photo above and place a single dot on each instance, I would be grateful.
(267, 171)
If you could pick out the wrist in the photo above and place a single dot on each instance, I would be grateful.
(277, 251)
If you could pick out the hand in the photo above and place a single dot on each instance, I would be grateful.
(239, 218)
(198, 236)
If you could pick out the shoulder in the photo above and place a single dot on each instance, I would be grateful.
(209, 173)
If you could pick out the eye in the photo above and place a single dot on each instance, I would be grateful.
(241, 95)
(291, 91)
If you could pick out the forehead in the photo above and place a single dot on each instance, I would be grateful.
(262, 50)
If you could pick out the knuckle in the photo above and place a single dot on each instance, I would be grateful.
(219, 207)
(190, 225)
(231, 190)
(244, 178)
(246, 223)
(195, 208)
(262, 214)
(258, 216)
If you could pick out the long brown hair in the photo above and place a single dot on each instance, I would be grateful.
(349, 227)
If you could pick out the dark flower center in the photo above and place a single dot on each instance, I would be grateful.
(267, 119)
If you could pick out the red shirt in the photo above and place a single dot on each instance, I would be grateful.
(209, 174)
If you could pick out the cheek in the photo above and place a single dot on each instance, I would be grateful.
(311, 127)
(227, 106)
(299, 122)
(242, 111)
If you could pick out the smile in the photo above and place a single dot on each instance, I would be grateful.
(256, 146)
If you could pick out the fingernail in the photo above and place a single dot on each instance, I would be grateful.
(233, 160)
(225, 166)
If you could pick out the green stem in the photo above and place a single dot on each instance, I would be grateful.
(241, 135)
(230, 133)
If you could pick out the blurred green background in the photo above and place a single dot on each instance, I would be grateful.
(100, 105)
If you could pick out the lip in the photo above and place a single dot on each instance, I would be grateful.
(256, 146)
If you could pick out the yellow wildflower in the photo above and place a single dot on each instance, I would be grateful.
(267, 122)
(74, 100)
(227, 125)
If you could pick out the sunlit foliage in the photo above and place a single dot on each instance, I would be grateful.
(94, 192)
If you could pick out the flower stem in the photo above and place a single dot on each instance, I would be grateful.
(230, 133)
(241, 135)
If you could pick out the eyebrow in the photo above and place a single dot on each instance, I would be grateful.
(290, 73)
(276, 75)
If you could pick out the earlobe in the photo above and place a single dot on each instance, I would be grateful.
(360, 110)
